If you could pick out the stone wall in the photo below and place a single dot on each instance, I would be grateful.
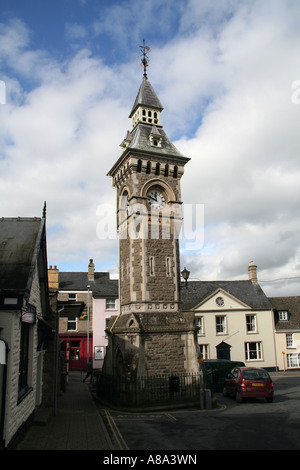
(165, 353)
(17, 411)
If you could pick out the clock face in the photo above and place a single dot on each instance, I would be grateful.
(220, 301)
(156, 200)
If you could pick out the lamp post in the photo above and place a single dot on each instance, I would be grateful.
(185, 274)
(88, 327)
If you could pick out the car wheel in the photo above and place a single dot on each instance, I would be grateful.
(238, 397)
(225, 393)
(269, 399)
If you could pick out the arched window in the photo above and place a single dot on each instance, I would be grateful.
(139, 166)
(157, 169)
(148, 169)
(175, 172)
(167, 170)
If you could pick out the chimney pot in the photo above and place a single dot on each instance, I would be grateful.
(91, 270)
(53, 277)
(252, 271)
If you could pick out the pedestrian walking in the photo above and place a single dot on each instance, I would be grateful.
(89, 371)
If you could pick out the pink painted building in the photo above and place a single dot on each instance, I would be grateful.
(86, 301)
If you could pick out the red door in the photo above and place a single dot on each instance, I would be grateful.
(76, 351)
(76, 359)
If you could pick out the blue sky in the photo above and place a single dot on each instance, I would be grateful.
(227, 75)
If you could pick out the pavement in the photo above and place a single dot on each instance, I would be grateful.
(77, 425)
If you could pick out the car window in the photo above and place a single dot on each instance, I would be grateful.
(256, 375)
(235, 373)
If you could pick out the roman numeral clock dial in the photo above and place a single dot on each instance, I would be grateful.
(156, 200)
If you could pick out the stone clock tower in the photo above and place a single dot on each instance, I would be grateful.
(150, 335)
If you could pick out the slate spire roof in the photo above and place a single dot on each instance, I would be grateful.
(140, 142)
(138, 139)
(146, 97)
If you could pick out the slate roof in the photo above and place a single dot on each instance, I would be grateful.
(146, 96)
(140, 141)
(197, 291)
(19, 245)
(249, 293)
(102, 286)
(292, 305)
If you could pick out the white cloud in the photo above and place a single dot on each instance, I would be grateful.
(245, 165)
(59, 144)
(224, 76)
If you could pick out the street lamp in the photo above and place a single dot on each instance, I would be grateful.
(88, 326)
(185, 274)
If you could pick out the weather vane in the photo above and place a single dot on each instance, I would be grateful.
(145, 60)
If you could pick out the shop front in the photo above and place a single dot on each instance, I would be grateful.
(76, 350)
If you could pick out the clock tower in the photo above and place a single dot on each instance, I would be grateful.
(150, 335)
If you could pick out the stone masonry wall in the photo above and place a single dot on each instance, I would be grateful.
(164, 353)
(17, 413)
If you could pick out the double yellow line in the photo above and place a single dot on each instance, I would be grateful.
(114, 428)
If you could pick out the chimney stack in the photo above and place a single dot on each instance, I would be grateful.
(53, 277)
(91, 271)
(252, 272)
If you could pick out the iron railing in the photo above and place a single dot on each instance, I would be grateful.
(157, 390)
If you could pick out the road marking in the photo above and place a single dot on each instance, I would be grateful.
(118, 436)
(171, 417)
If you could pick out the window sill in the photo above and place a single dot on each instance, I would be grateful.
(24, 393)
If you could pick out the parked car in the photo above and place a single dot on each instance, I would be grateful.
(249, 382)
(217, 370)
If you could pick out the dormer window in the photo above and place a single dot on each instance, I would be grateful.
(283, 315)
(155, 137)
(126, 141)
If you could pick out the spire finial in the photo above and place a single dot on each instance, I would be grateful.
(145, 60)
(44, 210)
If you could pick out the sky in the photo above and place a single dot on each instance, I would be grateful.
(228, 76)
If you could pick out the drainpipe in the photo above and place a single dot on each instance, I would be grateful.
(274, 339)
(56, 360)
(88, 329)
(3, 361)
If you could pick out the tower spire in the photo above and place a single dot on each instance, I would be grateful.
(145, 60)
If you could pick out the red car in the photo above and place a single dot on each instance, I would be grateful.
(249, 382)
